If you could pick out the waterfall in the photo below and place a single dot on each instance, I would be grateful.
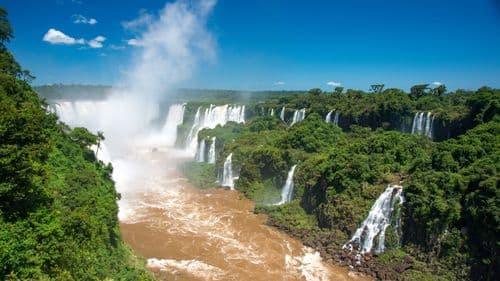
(282, 114)
(423, 124)
(227, 174)
(371, 233)
(287, 191)
(196, 124)
(213, 116)
(298, 116)
(328, 118)
(211, 152)
(336, 118)
(102, 153)
(200, 152)
(175, 117)
(272, 112)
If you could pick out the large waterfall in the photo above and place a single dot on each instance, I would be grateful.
(211, 151)
(227, 173)
(287, 191)
(422, 124)
(282, 114)
(371, 234)
(298, 116)
(213, 116)
(271, 112)
(200, 152)
(174, 118)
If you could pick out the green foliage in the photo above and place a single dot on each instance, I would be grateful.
(58, 211)
(202, 175)
(450, 220)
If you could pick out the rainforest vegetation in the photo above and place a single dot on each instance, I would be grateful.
(450, 222)
(58, 210)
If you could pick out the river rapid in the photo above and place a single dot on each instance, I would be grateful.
(190, 234)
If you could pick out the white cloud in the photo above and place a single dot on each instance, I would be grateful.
(333, 84)
(279, 83)
(437, 84)
(79, 19)
(96, 42)
(133, 42)
(54, 36)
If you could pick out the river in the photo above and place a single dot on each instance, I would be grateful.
(190, 234)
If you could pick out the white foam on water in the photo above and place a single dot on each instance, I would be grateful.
(193, 267)
(308, 266)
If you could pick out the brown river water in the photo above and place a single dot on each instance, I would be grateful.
(190, 234)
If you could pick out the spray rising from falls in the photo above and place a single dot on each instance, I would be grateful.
(213, 116)
(211, 151)
(423, 124)
(371, 234)
(287, 192)
(227, 173)
(174, 118)
(298, 116)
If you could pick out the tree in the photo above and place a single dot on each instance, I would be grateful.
(5, 28)
(439, 90)
(338, 90)
(377, 88)
(419, 90)
(315, 91)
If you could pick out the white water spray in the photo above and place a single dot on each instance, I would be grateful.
(423, 124)
(174, 118)
(298, 116)
(371, 234)
(211, 151)
(200, 153)
(328, 118)
(227, 174)
(287, 191)
(282, 114)
(213, 116)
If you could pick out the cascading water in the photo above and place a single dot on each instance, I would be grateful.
(102, 152)
(287, 191)
(174, 118)
(371, 234)
(423, 124)
(227, 174)
(213, 116)
(272, 112)
(282, 114)
(211, 151)
(200, 153)
(328, 118)
(298, 116)
(336, 118)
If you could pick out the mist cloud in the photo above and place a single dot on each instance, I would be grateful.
(171, 44)
(168, 47)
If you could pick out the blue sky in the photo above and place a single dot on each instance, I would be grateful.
(278, 44)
